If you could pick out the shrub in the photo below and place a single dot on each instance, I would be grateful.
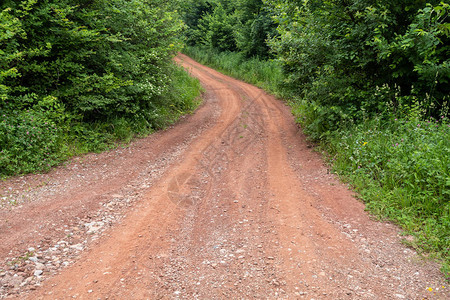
(29, 141)
(98, 71)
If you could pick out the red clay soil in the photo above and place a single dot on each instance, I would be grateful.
(229, 203)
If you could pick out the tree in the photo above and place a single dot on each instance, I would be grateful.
(69, 66)
(217, 29)
(350, 59)
(224, 25)
(97, 58)
(253, 28)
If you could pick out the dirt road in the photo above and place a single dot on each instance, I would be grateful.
(229, 203)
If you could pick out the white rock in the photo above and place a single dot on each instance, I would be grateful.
(77, 247)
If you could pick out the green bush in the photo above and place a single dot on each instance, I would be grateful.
(223, 25)
(355, 59)
(99, 58)
(29, 141)
(99, 71)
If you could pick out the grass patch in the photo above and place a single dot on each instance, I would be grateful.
(401, 169)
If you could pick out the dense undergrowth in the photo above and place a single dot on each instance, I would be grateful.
(35, 140)
(401, 169)
(398, 163)
(79, 76)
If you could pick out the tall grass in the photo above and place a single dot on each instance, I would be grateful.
(401, 169)
(399, 166)
(264, 74)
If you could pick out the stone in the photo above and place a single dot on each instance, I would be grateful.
(78, 247)
(38, 272)
(14, 281)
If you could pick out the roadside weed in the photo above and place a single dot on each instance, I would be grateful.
(401, 169)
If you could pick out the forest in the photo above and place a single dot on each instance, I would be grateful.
(368, 81)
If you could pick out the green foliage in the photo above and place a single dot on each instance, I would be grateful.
(243, 25)
(422, 53)
(98, 71)
(217, 29)
(401, 168)
(100, 58)
(352, 59)
(29, 141)
(9, 28)
(39, 138)
(192, 13)
(253, 28)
